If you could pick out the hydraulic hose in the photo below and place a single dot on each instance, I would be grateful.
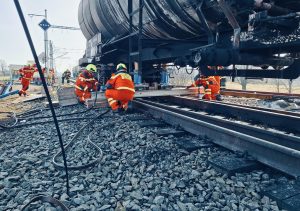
(99, 151)
(62, 115)
(54, 202)
(37, 111)
(31, 113)
(24, 24)
(45, 122)
(13, 114)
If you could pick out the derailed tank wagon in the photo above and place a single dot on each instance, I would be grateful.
(198, 33)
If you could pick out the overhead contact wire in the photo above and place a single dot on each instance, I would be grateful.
(24, 24)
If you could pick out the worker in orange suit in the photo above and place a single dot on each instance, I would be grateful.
(26, 75)
(211, 87)
(85, 83)
(218, 78)
(51, 77)
(120, 89)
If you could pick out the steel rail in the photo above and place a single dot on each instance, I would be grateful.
(288, 121)
(271, 136)
(240, 105)
(256, 94)
(283, 158)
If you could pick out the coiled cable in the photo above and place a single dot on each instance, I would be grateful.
(68, 146)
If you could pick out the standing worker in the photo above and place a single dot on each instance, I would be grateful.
(119, 89)
(85, 83)
(51, 77)
(26, 75)
(66, 76)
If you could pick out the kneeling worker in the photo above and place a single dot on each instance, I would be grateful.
(211, 87)
(119, 89)
(85, 83)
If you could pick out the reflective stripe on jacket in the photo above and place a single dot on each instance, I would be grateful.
(86, 82)
(121, 81)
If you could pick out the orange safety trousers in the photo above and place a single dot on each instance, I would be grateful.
(83, 95)
(212, 92)
(25, 86)
(118, 98)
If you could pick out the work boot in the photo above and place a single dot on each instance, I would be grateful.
(219, 98)
(125, 106)
(129, 107)
(117, 112)
(121, 111)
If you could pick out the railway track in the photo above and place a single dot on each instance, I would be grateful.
(133, 155)
(278, 150)
(281, 120)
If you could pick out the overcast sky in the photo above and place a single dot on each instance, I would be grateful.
(14, 48)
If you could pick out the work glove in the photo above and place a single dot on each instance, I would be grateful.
(98, 87)
(103, 88)
(108, 86)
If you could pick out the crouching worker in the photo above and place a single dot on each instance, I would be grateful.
(86, 83)
(211, 87)
(119, 89)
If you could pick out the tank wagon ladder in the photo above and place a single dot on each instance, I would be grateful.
(131, 53)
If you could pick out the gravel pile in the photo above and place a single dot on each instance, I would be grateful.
(139, 171)
(282, 104)
(241, 101)
(287, 105)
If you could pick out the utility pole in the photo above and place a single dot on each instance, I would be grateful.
(45, 25)
(51, 54)
(46, 45)
(45, 39)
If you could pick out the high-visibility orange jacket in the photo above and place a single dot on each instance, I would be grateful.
(120, 81)
(120, 90)
(85, 83)
(211, 86)
(27, 72)
(200, 82)
(212, 89)
(26, 76)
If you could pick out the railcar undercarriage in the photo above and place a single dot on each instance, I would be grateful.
(250, 38)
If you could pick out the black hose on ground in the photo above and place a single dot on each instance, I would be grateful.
(60, 166)
(62, 115)
(45, 122)
(13, 114)
(37, 111)
(31, 112)
(54, 202)
(24, 24)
